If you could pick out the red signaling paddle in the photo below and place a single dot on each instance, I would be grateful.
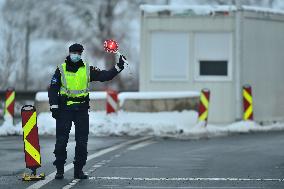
(111, 46)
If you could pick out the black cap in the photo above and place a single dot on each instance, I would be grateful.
(76, 48)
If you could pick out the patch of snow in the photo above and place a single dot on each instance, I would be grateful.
(263, 9)
(43, 96)
(7, 128)
(98, 95)
(156, 95)
(197, 9)
(188, 2)
(134, 123)
(170, 124)
(205, 9)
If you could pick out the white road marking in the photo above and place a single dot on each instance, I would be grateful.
(141, 145)
(135, 167)
(97, 165)
(186, 179)
(189, 187)
(103, 162)
(50, 177)
(71, 184)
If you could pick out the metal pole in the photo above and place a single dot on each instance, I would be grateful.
(238, 59)
(27, 52)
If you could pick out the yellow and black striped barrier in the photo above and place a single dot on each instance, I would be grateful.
(204, 105)
(247, 103)
(31, 143)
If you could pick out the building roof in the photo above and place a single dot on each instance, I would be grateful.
(205, 9)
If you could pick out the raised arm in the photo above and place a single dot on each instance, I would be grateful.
(106, 75)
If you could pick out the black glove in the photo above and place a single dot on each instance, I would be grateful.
(121, 62)
(55, 113)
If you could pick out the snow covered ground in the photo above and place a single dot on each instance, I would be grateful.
(205, 9)
(166, 124)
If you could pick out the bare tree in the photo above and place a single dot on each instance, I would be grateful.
(86, 21)
(14, 14)
(103, 20)
(6, 58)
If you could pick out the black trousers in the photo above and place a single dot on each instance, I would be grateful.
(63, 127)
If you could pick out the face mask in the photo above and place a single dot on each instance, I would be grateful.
(75, 57)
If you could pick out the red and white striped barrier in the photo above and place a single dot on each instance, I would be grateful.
(111, 102)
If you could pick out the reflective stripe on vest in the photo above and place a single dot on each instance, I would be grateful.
(68, 88)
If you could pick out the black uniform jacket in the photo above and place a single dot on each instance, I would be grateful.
(95, 75)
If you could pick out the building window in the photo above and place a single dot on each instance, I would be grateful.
(169, 56)
(213, 56)
(213, 68)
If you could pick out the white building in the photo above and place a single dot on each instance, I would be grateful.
(220, 48)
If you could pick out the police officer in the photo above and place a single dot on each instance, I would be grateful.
(69, 101)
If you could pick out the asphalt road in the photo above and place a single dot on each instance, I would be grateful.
(240, 161)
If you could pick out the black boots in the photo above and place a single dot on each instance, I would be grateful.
(60, 172)
(79, 174)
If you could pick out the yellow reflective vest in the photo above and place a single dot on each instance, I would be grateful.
(74, 85)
